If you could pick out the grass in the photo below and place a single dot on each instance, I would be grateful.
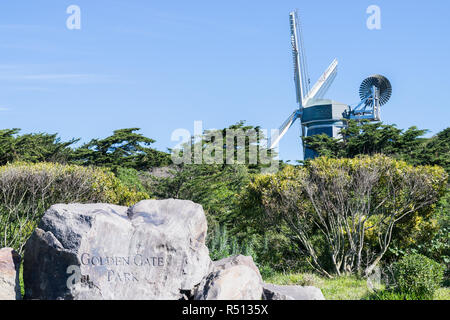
(442, 294)
(22, 286)
(342, 288)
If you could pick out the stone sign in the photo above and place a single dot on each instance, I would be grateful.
(153, 250)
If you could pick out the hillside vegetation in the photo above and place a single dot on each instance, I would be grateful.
(369, 200)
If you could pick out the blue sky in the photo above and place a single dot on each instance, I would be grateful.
(161, 65)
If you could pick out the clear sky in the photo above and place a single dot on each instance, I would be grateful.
(161, 65)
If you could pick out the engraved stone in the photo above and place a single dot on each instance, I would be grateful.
(152, 250)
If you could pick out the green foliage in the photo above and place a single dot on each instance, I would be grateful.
(336, 207)
(437, 150)
(27, 190)
(392, 295)
(130, 178)
(231, 194)
(222, 244)
(418, 276)
(369, 138)
(437, 245)
(266, 271)
(35, 147)
(252, 137)
(215, 187)
(345, 287)
(339, 288)
(125, 148)
(374, 138)
(238, 144)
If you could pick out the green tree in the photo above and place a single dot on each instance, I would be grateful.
(437, 150)
(125, 148)
(35, 147)
(214, 185)
(370, 138)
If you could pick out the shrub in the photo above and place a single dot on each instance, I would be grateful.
(390, 295)
(418, 276)
(222, 244)
(27, 190)
(343, 213)
(131, 178)
(266, 271)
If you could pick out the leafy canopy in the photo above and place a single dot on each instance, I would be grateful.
(370, 138)
(35, 147)
(125, 148)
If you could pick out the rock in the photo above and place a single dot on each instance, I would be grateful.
(233, 278)
(234, 283)
(9, 274)
(236, 260)
(274, 292)
(153, 250)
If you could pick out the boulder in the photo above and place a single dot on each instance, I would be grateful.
(152, 250)
(234, 261)
(232, 278)
(9, 274)
(275, 292)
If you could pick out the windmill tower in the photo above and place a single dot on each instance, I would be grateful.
(323, 116)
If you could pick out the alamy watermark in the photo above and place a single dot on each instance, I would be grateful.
(229, 146)
(374, 20)
(73, 22)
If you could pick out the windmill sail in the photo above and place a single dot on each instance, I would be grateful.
(284, 128)
(297, 59)
(323, 84)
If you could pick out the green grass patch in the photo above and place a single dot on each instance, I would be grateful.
(442, 294)
(341, 288)
(345, 287)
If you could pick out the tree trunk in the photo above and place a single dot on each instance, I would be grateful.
(372, 266)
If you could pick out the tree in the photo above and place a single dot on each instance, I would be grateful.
(371, 138)
(437, 150)
(346, 201)
(33, 147)
(125, 148)
(214, 185)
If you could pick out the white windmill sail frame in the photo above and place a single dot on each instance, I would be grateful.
(298, 74)
(323, 84)
(284, 129)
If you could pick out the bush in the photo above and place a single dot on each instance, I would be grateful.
(131, 178)
(27, 190)
(418, 276)
(222, 244)
(266, 271)
(343, 213)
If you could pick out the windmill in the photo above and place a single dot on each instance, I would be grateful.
(318, 115)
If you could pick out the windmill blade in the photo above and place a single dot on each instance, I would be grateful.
(284, 128)
(323, 84)
(297, 60)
